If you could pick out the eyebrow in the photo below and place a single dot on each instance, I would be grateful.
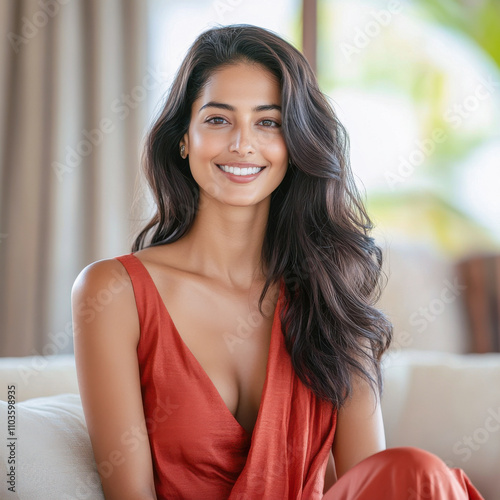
(221, 105)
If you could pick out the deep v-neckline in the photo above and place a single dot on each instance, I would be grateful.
(200, 368)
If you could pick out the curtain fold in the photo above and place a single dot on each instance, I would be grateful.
(73, 113)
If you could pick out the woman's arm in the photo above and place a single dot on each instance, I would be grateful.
(106, 329)
(360, 429)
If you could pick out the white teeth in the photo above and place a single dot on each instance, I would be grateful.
(241, 171)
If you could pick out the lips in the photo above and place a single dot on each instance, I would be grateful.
(241, 174)
(241, 169)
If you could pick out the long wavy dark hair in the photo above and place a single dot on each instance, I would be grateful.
(317, 235)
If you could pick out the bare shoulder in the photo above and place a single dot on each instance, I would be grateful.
(106, 332)
(100, 272)
(104, 289)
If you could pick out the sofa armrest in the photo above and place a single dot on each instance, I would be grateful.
(38, 376)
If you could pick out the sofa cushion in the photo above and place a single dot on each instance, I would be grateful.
(448, 404)
(53, 454)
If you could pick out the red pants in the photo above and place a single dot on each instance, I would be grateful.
(405, 473)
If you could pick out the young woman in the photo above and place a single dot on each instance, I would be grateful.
(237, 354)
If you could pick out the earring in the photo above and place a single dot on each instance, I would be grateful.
(289, 161)
(183, 148)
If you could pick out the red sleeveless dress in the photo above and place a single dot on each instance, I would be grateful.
(200, 451)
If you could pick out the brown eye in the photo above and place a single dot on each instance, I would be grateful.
(276, 124)
(215, 118)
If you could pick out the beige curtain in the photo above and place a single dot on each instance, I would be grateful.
(74, 81)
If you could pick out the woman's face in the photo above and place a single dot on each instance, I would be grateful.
(236, 122)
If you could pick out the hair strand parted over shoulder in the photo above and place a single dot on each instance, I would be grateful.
(317, 236)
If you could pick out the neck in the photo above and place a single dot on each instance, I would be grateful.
(225, 242)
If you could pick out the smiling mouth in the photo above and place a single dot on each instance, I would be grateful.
(241, 171)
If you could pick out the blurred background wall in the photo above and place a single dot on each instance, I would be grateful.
(416, 83)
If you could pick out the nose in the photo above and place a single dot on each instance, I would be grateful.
(242, 140)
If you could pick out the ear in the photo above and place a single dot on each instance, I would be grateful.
(185, 141)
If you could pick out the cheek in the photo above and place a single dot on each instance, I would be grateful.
(203, 143)
(276, 150)
(281, 152)
(198, 142)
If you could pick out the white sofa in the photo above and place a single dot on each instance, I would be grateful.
(448, 404)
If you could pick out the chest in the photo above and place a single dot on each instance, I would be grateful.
(228, 337)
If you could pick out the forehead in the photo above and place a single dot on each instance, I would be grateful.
(241, 83)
